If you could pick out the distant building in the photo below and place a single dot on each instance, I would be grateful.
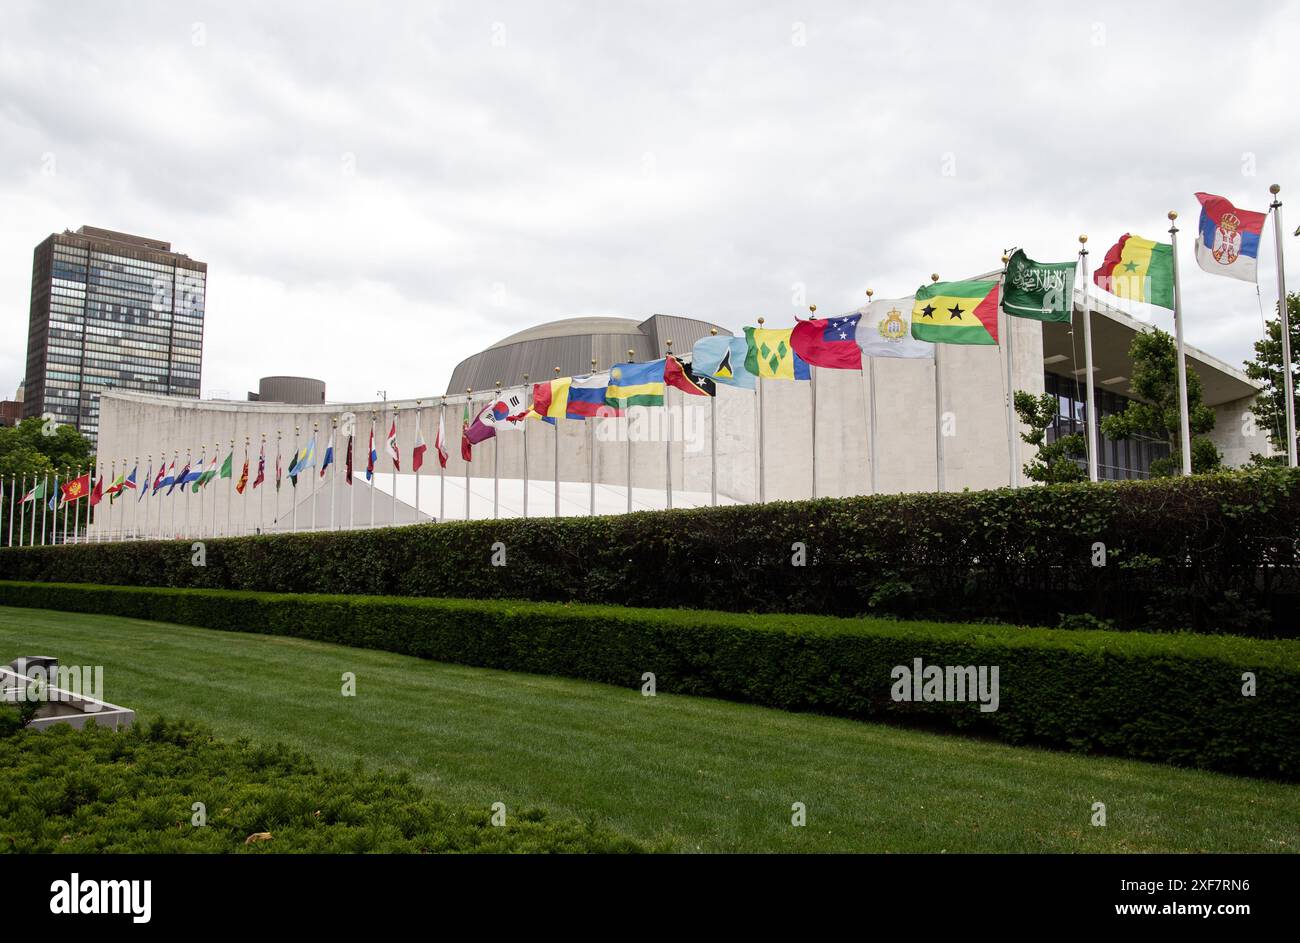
(298, 390)
(11, 410)
(111, 311)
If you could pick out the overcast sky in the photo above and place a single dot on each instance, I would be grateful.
(381, 190)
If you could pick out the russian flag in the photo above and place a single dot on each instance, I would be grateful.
(587, 397)
(1227, 239)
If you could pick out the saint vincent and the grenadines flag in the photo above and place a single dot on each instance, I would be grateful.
(956, 313)
(770, 355)
(1138, 269)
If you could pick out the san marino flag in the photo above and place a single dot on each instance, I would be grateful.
(1227, 240)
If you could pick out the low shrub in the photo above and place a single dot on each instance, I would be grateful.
(1175, 698)
(63, 790)
(1212, 553)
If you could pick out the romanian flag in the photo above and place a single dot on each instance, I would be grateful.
(1139, 270)
(636, 384)
(956, 313)
(770, 355)
(550, 400)
(77, 488)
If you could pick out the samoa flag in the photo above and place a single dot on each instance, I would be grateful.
(1227, 239)
(829, 343)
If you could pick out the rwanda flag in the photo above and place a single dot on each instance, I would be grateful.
(636, 384)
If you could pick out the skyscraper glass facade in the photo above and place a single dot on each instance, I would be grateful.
(111, 311)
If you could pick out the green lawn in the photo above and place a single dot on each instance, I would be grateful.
(690, 772)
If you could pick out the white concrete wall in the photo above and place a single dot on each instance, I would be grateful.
(139, 427)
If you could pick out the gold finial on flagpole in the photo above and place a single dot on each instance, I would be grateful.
(713, 332)
(870, 292)
(934, 276)
(812, 310)
(762, 321)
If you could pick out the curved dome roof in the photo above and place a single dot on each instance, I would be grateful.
(572, 327)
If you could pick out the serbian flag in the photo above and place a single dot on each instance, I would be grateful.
(372, 455)
(551, 400)
(440, 441)
(77, 488)
(829, 343)
(98, 494)
(1227, 240)
(417, 453)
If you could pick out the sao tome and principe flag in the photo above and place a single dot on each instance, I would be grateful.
(829, 343)
(1138, 269)
(769, 355)
(1043, 291)
(722, 360)
(956, 313)
(1227, 239)
(636, 384)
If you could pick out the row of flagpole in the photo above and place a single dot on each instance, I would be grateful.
(26, 531)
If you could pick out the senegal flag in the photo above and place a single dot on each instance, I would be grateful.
(1140, 270)
(956, 313)
(770, 356)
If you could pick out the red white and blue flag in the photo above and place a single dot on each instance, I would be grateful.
(829, 343)
(372, 455)
(1227, 239)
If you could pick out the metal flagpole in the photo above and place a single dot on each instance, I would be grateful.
(374, 472)
(1012, 450)
(216, 450)
(394, 460)
(469, 406)
(293, 497)
(528, 404)
(496, 466)
(1090, 417)
(668, 441)
(334, 473)
(557, 458)
(1288, 384)
(112, 476)
(872, 413)
(590, 429)
(45, 502)
(762, 464)
(418, 410)
(230, 489)
(65, 509)
(442, 471)
(315, 431)
(261, 497)
(352, 465)
(175, 459)
(22, 517)
(940, 476)
(812, 391)
(627, 434)
(1185, 426)
(13, 499)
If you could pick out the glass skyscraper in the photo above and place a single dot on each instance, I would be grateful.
(111, 311)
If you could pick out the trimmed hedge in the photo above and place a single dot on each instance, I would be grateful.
(1169, 698)
(1212, 553)
(97, 791)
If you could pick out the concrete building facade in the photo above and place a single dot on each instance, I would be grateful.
(890, 428)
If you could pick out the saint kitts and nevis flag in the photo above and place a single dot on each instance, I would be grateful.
(956, 313)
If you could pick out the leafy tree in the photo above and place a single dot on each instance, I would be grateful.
(38, 450)
(1056, 461)
(1266, 369)
(1156, 415)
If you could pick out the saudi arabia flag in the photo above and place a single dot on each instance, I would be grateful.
(956, 313)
